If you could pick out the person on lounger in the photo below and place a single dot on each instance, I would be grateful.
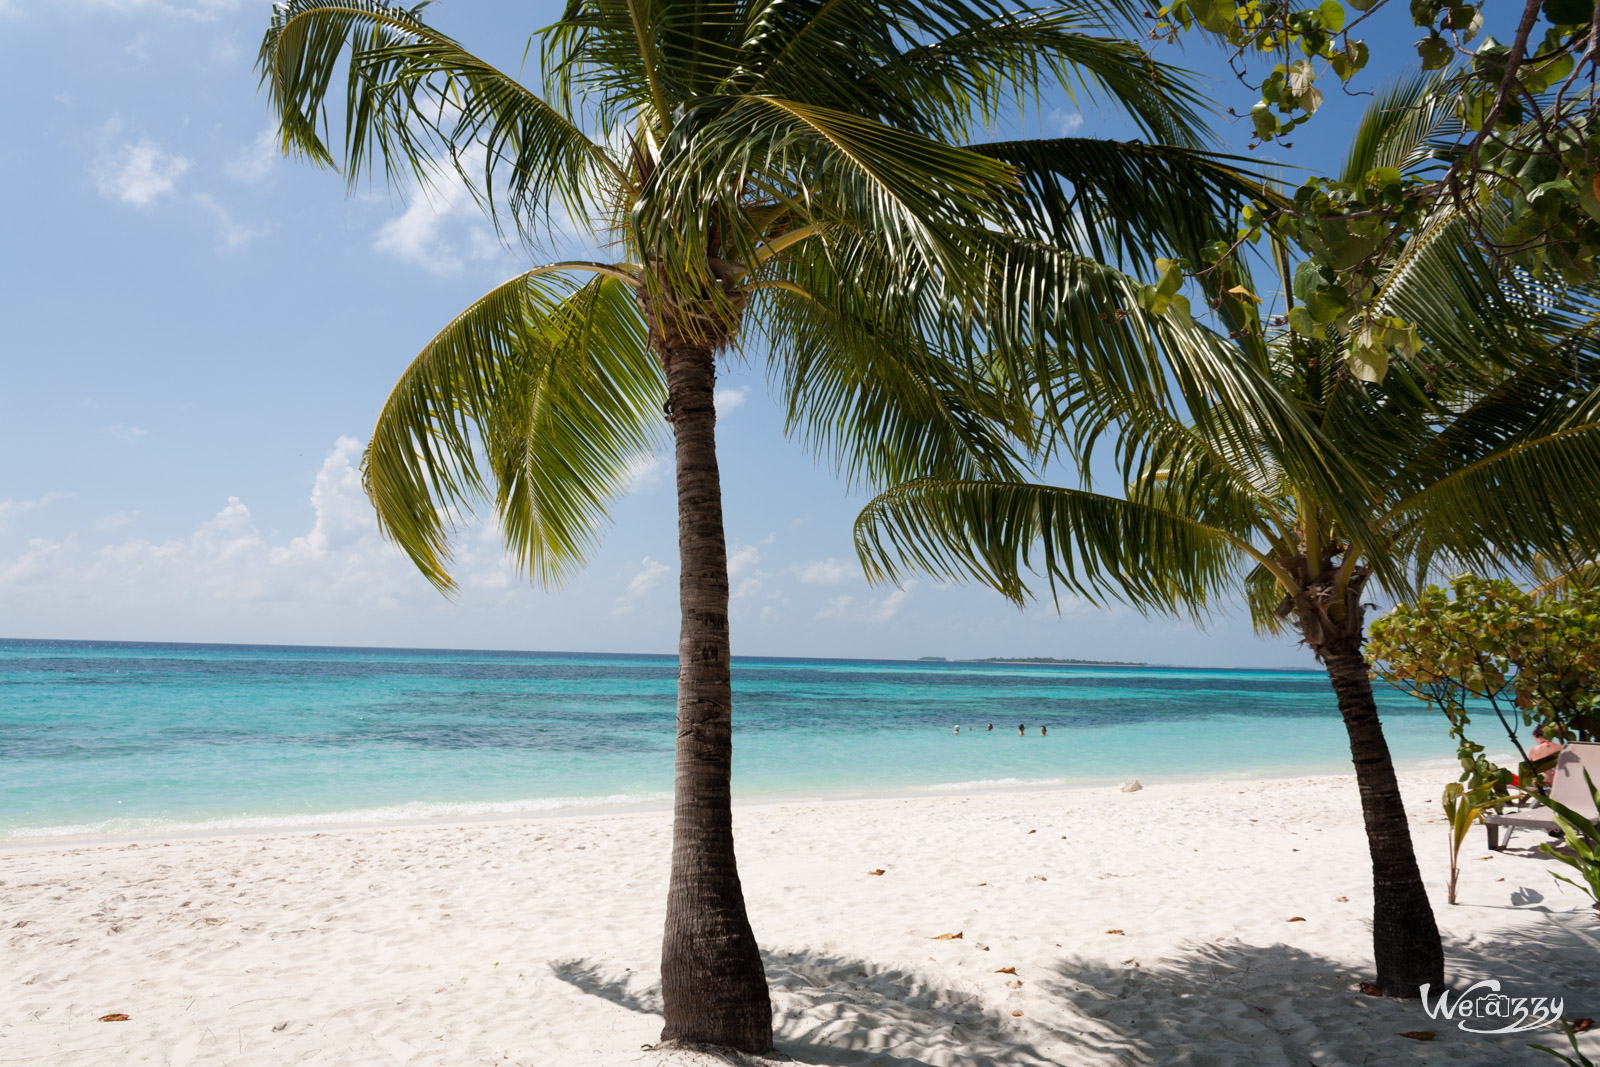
(1543, 748)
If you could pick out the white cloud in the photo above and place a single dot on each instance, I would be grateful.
(729, 399)
(875, 610)
(837, 608)
(227, 560)
(738, 560)
(828, 571)
(115, 521)
(140, 174)
(884, 610)
(235, 234)
(128, 435)
(644, 581)
(256, 162)
(11, 509)
(648, 578)
(1063, 123)
(341, 506)
(423, 235)
(749, 587)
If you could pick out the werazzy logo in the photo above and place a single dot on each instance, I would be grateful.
(1482, 1003)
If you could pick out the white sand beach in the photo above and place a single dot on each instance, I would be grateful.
(1156, 927)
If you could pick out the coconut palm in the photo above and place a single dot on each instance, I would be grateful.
(1480, 449)
(794, 180)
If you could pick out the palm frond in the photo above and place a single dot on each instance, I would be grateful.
(542, 391)
(415, 100)
(919, 197)
(1533, 498)
(1097, 547)
(1263, 597)
(871, 378)
(1126, 202)
(1401, 127)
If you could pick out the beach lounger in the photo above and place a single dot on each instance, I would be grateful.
(1567, 788)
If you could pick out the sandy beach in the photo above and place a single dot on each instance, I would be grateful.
(1216, 923)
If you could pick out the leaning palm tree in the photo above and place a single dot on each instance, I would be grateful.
(1480, 450)
(796, 180)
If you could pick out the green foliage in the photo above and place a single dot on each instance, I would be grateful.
(1533, 660)
(1462, 809)
(802, 170)
(1582, 837)
(1577, 1059)
(1509, 142)
(1479, 447)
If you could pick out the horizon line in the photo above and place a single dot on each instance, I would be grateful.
(994, 661)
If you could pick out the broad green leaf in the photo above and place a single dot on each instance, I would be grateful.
(1368, 362)
(1435, 53)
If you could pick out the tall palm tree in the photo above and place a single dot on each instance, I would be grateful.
(801, 171)
(1480, 450)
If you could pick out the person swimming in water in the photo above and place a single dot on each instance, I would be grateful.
(957, 730)
(1043, 732)
(991, 727)
(1022, 730)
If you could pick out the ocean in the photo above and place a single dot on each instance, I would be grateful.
(125, 739)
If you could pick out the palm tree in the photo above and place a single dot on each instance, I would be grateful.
(802, 172)
(1481, 450)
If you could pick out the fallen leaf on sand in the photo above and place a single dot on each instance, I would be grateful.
(1134, 963)
(1418, 1035)
(946, 937)
(981, 883)
(1581, 1025)
(1005, 970)
(441, 989)
(1295, 919)
(114, 1017)
(1017, 1014)
(280, 1026)
(1483, 858)
(1033, 831)
(878, 871)
(1113, 931)
(1342, 900)
(1371, 989)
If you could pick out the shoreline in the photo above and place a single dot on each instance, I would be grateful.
(1219, 922)
(566, 808)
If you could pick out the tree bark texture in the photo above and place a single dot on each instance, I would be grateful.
(713, 984)
(1405, 938)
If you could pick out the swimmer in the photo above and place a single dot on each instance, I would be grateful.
(991, 727)
(957, 730)
(1043, 732)
(1022, 730)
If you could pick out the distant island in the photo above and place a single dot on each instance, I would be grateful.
(1062, 662)
(932, 659)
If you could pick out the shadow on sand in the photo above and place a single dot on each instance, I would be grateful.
(1211, 1005)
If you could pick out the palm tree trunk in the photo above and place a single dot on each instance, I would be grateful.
(713, 985)
(1405, 938)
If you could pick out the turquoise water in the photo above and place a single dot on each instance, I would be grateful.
(114, 738)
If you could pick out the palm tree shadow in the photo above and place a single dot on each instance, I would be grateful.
(834, 1011)
(1236, 1003)
(1207, 1004)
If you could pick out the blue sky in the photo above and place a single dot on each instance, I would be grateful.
(199, 334)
